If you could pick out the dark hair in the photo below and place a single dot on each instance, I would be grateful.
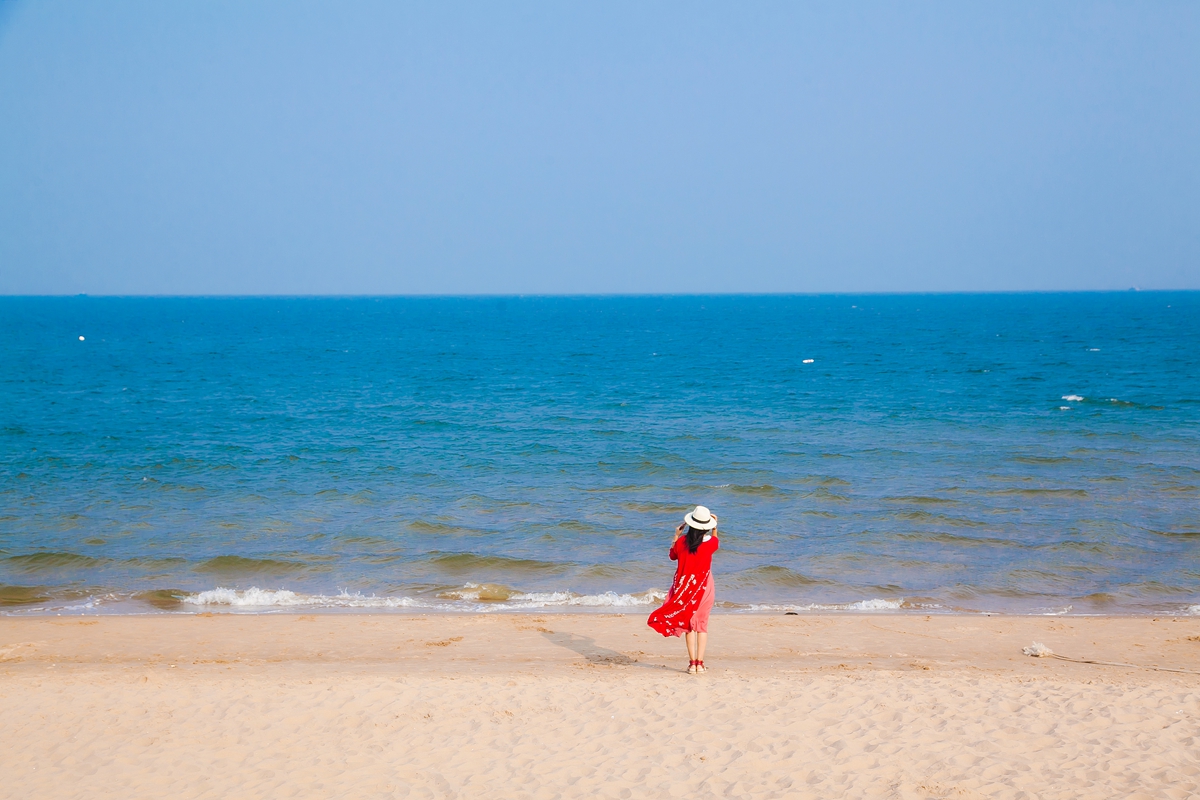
(694, 537)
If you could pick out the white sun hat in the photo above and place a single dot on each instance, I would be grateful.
(701, 519)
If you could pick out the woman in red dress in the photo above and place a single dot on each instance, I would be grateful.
(690, 600)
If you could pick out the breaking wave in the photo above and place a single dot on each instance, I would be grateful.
(471, 597)
(267, 598)
(876, 604)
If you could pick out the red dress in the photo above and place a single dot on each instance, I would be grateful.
(691, 595)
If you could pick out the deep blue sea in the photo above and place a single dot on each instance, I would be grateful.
(1020, 453)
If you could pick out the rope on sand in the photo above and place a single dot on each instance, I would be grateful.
(1039, 650)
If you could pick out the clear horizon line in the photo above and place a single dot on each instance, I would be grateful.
(485, 295)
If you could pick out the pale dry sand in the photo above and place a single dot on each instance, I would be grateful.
(594, 706)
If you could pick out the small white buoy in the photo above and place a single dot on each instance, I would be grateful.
(808, 361)
(81, 338)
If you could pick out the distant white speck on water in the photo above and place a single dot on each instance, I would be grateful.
(81, 338)
(808, 361)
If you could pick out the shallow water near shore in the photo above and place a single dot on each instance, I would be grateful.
(999, 453)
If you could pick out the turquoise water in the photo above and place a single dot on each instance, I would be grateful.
(1016, 453)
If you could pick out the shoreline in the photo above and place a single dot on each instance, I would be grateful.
(15, 602)
(17, 612)
(513, 638)
(492, 598)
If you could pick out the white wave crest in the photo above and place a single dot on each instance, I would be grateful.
(876, 604)
(1055, 612)
(523, 600)
(473, 597)
(1194, 610)
(266, 598)
(604, 599)
(1073, 398)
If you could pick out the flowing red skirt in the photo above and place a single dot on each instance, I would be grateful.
(686, 608)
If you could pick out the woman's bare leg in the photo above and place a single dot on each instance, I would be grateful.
(701, 642)
(690, 638)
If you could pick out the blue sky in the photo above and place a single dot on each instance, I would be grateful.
(389, 148)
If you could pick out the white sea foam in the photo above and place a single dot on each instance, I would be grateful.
(1074, 398)
(486, 598)
(267, 598)
(876, 604)
(1194, 610)
(473, 597)
(566, 599)
(90, 605)
(1056, 612)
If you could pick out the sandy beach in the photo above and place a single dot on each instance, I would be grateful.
(513, 706)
